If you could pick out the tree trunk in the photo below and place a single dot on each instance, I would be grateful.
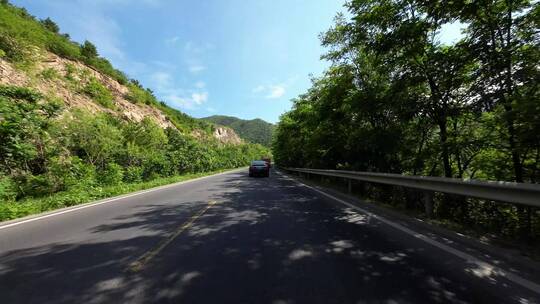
(448, 204)
(524, 212)
(418, 153)
(516, 158)
(443, 135)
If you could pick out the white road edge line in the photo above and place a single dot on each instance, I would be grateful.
(88, 205)
(486, 269)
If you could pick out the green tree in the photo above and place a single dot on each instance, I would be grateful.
(503, 36)
(24, 126)
(92, 138)
(396, 100)
(50, 25)
(89, 50)
(402, 36)
(99, 93)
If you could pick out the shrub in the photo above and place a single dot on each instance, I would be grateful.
(49, 74)
(112, 174)
(37, 185)
(62, 174)
(133, 174)
(71, 172)
(93, 138)
(70, 71)
(146, 134)
(21, 121)
(154, 166)
(88, 50)
(8, 189)
(138, 95)
(105, 67)
(62, 47)
(20, 93)
(99, 93)
(14, 50)
(50, 25)
(81, 173)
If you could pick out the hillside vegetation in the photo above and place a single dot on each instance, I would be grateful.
(73, 128)
(255, 130)
(396, 100)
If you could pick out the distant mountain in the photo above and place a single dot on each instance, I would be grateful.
(255, 130)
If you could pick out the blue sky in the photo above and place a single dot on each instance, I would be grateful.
(236, 57)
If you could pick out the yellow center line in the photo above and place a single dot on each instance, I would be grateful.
(142, 261)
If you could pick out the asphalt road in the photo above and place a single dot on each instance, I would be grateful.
(233, 239)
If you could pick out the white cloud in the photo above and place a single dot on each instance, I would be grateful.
(179, 102)
(199, 98)
(196, 68)
(175, 96)
(93, 21)
(197, 48)
(276, 91)
(161, 80)
(271, 91)
(195, 55)
(258, 89)
(189, 103)
(172, 40)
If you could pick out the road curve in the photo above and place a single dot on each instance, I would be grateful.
(233, 239)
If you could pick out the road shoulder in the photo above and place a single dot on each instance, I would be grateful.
(508, 260)
(47, 214)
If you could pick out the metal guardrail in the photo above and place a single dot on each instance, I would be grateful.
(519, 193)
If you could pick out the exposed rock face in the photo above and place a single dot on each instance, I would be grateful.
(60, 88)
(226, 135)
(70, 92)
(8, 75)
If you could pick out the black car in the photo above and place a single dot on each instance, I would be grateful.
(259, 168)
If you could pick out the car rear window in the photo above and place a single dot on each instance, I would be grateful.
(258, 163)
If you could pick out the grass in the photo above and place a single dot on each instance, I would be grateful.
(99, 93)
(49, 74)
(14, 210)
(71, 70)
(20, 33)
(140, 95)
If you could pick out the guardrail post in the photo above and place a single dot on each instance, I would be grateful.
(364, 189)
(428, 203)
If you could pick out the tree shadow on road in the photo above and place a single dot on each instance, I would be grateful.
(265, 241)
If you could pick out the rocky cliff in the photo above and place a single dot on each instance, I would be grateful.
(65, 80)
